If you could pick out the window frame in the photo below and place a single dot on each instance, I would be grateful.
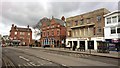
(108, 22)
(117, 30)
(114, 21)
(113, 28)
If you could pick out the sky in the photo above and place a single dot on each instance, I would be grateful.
(23, 13)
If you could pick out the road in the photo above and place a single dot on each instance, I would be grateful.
(31, 57)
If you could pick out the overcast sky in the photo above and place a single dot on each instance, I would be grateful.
(29, 13)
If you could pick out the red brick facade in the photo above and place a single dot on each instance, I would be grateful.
(53, 32)
(24, 35)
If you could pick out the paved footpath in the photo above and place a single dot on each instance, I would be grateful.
(112, 54)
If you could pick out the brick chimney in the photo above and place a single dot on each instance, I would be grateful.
(63, 18)
(28, 26)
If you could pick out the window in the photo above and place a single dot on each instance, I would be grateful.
(108, 20)
(28, 33)
(81, 22)
(99, 18)
(14, 37)
(114, 19)
(88, 20)
(76, 22)
(52, 33)
(48, 33)
(119, 18)
(113, 30)
(58, 32)
(21, 33)
(118, 30)
(15, 33)
(44, 33)
(99, 29)
(69, 33)
(92, 20)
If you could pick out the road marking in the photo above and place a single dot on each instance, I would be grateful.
(64, 65)
(32, 63)
(29, 64)
(19, 65)
(24, 64)
(24, 58)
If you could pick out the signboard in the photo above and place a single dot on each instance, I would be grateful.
(116, 40)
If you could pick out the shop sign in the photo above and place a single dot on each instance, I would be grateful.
(115, 40)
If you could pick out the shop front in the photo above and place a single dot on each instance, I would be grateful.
(114, 44)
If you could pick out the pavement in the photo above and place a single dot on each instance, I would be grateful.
(111, 54)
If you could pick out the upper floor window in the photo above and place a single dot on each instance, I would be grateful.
(88, 20)
(48, 33)
(114, 19)
(99, 29)
(108, 20)
(113, 30)
(119, 18)
(15, 33)
(14, 37)
(44, 33)
(118, 30)
(76, 22)
(21, 33)
(69, 33)
(52, 32)
(28, 33)
(81, 21)
(92, 20)
(98, 18)
(58, 32)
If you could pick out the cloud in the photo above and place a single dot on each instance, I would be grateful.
(29, 13)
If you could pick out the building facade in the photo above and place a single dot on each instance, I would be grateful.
(86, 30)
(20, 36)
(112, 29)
(53, 32)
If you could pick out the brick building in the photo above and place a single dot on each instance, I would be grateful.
(86, 30)
(20, 36)
(53, 32)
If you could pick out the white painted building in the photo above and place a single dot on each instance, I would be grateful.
(112, 27)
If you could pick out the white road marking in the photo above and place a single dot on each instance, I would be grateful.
(26, 49)
(32, 63)
(29, 64)
(19, 65)
(24, 64)
(24, 58)
(64, 65)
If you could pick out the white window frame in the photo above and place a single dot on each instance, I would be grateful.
(113, 20)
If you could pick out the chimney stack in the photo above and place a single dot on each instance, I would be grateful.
(63, 18)
(28, 26)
